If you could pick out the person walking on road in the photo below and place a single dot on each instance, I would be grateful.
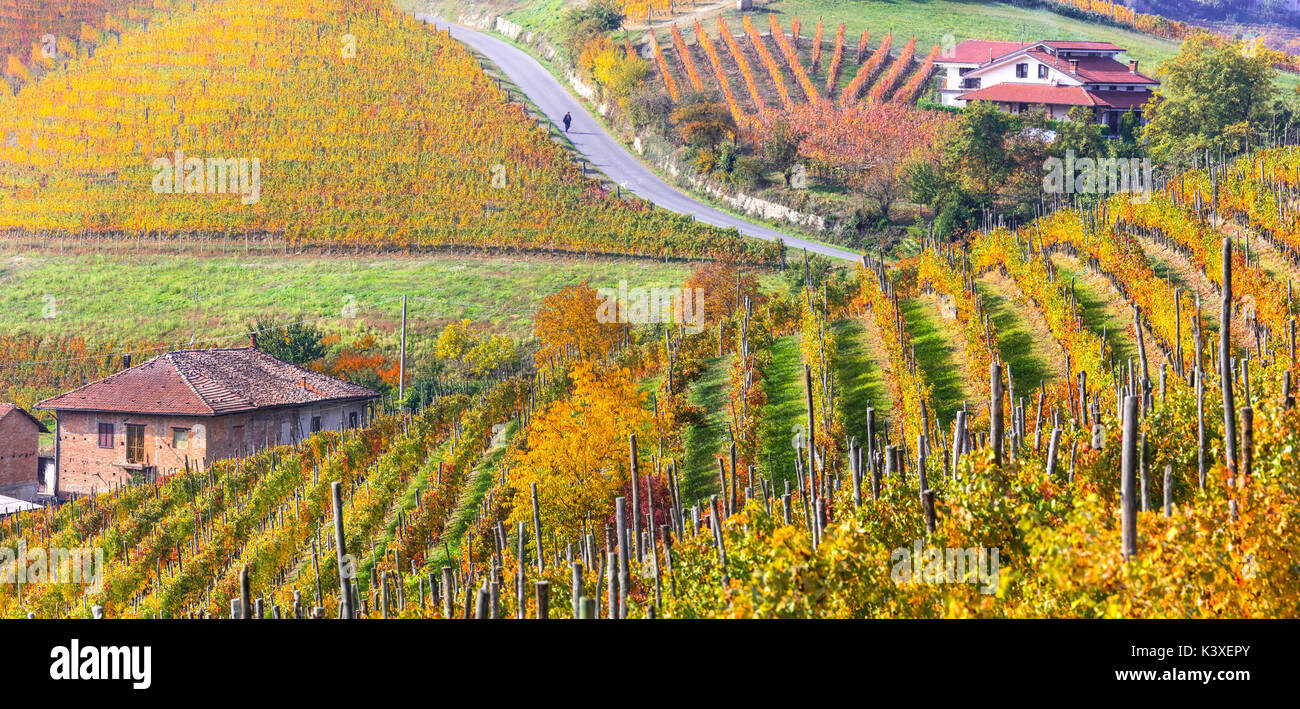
(567, 120)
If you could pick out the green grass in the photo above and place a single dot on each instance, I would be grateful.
(786, 408)
(862, 380)
(698, 474)
(476, 487)
(403, 504)
(1099, 309)
(113, 297)
(1024, 352)
(931, 337)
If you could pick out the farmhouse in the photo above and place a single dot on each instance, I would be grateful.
(19, 459)
(184, 407)
(1052, 76)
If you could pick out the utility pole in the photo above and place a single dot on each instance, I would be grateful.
(401, 367)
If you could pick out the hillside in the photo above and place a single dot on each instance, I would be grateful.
(388, 104)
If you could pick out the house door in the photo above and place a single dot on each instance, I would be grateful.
(134, 443)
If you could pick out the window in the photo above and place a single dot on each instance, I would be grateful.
(1022, 71)
(1024, 107)
(105, 435)
(315, 424)
(970, 83)
(180, 438)
(352, 419)
(134, 443)
(1042, 71)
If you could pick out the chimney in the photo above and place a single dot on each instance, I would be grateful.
(1074, 66)
(252, 340)
(1133, 66)
(304, 382)
(126, 361)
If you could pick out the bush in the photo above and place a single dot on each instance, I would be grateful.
(594, 19)
(648, 108)
(748, 172)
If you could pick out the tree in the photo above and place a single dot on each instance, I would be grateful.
(870, 145)
(298, 343)
(725, 288)
(619, 73)
(576, 322)
(703, 123)
(581, 24)
(780, 143)
(1082, 134)
(1215, 95)
(474, 350)
(577, 449)
(978, 149)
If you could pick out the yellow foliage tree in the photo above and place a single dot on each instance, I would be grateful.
(577, 450)
(577, 322)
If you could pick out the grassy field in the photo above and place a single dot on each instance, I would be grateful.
(699, 472)
(110, 297)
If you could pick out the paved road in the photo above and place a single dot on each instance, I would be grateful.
(602, 150)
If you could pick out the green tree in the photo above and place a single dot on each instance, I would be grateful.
(1213, 96)
(978, 151)
(298, 343)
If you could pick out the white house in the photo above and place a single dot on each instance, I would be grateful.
(1053, 76)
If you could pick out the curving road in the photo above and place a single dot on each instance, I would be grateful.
(602, 150)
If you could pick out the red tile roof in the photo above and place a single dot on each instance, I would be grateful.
(1011, 92)
(6, 409)
(1099, 70)
(1123, 99)
(980, 51)
(207, 383)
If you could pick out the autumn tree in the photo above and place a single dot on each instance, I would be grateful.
(870, 145)
(703, 123)
(576, 321)
(473, 349)
(577, 449)
(725, 288)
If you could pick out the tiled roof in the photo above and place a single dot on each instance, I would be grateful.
(980, 51)
(207, 383)
(6, 409)
(1011, 92)
(1034, 93)
(1122, 99)
(1099, 70)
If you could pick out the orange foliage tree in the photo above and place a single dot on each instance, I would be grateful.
(570, 326)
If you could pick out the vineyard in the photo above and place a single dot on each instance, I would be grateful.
(755, 71)
(192, 127)
(1146, 470)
